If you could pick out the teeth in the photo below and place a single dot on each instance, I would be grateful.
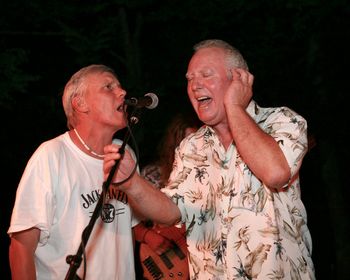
(203, 98)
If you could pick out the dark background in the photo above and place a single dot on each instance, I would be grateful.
(297, 50)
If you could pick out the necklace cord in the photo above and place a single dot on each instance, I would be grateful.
(86, 146)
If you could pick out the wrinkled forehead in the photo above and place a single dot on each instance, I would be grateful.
(206, 58)
(99, 77)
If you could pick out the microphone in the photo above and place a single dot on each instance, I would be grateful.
(149, 100)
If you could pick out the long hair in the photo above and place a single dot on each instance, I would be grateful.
(174, 134)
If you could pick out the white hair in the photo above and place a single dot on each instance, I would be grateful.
(76, 86)
(234, 58)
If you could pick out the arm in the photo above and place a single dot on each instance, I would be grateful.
(258, 149)
(152, 203)
(21, 253)
(144, 198)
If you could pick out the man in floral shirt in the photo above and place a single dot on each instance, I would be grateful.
(235, 181)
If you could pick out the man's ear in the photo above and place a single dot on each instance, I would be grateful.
(79, 104)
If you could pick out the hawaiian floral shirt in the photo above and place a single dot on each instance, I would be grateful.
(238, 228)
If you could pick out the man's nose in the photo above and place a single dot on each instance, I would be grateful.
(196, 83)
(121, 92)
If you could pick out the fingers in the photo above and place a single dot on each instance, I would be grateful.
(111, 155)
(245, 77)
(241, 89)
(107, 166)
(250, 79)
(112, 148)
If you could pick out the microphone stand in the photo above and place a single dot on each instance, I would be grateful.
(74, 261)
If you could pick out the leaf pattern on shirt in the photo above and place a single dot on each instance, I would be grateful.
(201, 174)
(212, 245)
(277, 274)
(244, 237)
(213, 268)
(290, 233)
(226, 189)
(294, 272)
(181, 176)
(247, 198)
(208, 210)
(219, 163)
(193, 196)
(197, 159)
(197, 265)
(261, 196)
(242, 229)
(211, 203)
(255, 260)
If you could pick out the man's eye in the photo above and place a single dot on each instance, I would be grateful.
(110, 86)
(189, 78)
(206, 74)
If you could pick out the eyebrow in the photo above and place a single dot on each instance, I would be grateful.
(187, 75)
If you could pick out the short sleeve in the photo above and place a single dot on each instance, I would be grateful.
(35, 203)
(290, 131)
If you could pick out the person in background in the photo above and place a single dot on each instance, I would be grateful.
(158, 238)
(180, 126)
(62, 183)
(235, 182)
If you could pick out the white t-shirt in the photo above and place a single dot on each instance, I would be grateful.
(58, 193)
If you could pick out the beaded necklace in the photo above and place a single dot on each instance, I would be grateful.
(86, 146)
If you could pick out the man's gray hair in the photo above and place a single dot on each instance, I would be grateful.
(233, 55)
(76, 86)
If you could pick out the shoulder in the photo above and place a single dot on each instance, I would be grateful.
(53, 146)
(268, 115)
(204, 132)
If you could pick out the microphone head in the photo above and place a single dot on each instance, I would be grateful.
(154, 102)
